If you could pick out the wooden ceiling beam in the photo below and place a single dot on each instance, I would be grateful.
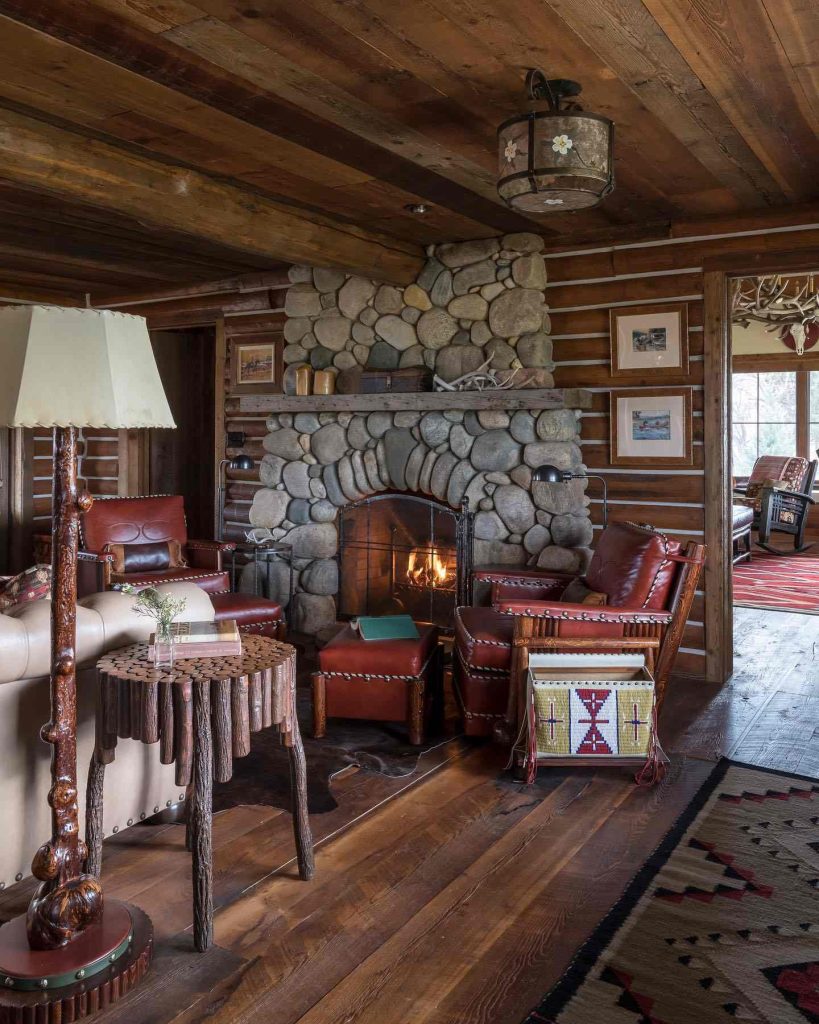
(629, 40)
(162, 60)
(70, 164)
(734, 50)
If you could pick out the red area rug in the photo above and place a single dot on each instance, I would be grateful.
(787, 582)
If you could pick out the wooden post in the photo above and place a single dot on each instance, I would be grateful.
(200, 819)
(67, 900)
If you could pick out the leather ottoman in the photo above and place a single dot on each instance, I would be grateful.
(483, 659)
(380, 680)
(253, 614)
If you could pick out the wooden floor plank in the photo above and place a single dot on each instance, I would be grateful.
(452, 896)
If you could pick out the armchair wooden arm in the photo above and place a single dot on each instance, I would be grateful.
(208, 554)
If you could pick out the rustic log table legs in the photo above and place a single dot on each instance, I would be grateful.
(201, 726)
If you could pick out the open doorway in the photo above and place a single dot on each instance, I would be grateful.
(774, 440)
(181, 461)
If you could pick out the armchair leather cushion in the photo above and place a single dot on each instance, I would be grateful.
(164, 554)
(578, 593)
(158, 517)
(483, 638)
(631, 564)
(246, 609)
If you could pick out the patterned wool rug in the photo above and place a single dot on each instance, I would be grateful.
(784, 582)
(720, 924)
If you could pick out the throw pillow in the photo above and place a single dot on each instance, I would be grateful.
(131, 558)
(578, 593)
(30, 585)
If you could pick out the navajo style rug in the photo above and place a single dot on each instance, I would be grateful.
(720, 924)
(784, 582)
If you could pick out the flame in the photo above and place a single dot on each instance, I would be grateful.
(428, 570)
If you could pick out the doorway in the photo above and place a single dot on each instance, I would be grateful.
(181, 461)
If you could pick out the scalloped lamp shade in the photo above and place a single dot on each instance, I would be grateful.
(64, 367)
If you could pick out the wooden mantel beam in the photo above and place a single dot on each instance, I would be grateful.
(67, 163)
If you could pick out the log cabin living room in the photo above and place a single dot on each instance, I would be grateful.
(409, 418)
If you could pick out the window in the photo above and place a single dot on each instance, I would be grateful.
(774, 414)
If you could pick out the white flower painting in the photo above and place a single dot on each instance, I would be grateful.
(562, 144)
(511, 151)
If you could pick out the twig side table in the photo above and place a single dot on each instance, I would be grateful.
(201, 713)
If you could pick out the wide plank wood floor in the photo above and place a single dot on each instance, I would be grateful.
(455, 894)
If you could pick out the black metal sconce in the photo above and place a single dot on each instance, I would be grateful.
(244, 463)
(548, 474)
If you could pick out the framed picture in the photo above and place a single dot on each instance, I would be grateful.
(256, 363)
(651, 428)
(649, 338)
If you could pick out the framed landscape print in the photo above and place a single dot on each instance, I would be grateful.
(651, 428)
(256, 363)
(649, 338)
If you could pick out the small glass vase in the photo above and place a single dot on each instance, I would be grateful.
(164, 646)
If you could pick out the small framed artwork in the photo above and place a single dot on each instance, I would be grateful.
(649, 338)
(651, 428)
(256, 363)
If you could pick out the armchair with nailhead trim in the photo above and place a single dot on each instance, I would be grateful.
(143, 528)
(639, 583)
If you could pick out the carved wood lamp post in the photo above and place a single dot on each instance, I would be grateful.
(72, 953)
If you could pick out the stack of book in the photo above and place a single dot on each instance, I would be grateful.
(203, 640)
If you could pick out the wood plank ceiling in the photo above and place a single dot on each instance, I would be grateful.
(353, 110)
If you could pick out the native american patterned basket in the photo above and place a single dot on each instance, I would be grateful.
(590, 706)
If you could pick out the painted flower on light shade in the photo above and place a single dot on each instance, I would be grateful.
(562, 144)
(552, 202)
(511, 151)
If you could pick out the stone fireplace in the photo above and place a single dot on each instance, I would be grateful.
(473, 302)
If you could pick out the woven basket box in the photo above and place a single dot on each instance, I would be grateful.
(585, 706)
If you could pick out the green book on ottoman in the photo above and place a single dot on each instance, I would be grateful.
(385, 627)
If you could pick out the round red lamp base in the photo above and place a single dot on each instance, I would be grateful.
(89, 974)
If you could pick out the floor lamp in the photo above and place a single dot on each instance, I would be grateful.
(72, 953)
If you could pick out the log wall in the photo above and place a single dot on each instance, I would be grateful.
(583, 286)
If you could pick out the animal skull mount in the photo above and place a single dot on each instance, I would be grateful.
(789, 305)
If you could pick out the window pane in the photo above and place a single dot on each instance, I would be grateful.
(777, 439)
(814, 396)
(743, 402)
(777, 399)
(813, 443)
(744, 448)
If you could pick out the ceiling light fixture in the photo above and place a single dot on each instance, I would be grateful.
(555, 156)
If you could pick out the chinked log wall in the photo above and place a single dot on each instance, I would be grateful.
(583, 286)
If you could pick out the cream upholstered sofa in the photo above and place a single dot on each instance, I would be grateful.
(136, 784)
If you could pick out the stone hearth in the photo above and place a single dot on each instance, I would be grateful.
(472, 301)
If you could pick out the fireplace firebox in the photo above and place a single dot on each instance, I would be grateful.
(405, 553)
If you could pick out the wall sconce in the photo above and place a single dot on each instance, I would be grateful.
(552, 475)
(239, 462)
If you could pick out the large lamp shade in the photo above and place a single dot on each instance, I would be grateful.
(65, 367)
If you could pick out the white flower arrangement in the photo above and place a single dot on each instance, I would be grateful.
(562, 144)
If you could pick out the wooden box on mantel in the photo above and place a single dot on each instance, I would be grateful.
(380, 382)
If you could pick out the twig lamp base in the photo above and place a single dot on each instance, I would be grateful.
(50, 986)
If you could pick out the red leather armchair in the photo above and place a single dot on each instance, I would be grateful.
(649, 585)
(145, 521)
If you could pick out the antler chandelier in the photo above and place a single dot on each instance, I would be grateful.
(555, 156)
(785, 304)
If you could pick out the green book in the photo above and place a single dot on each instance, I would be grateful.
(385, 627)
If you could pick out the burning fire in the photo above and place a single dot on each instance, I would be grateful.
(428, 570)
